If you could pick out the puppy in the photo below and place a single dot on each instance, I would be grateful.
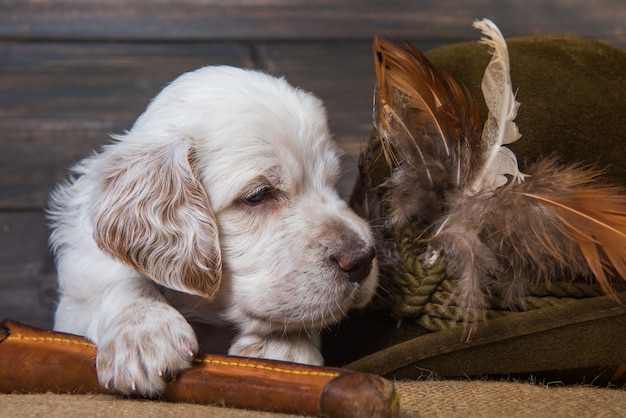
(218, 206)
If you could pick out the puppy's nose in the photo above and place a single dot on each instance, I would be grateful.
(355, 263)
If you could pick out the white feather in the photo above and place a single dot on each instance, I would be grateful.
(500, 128)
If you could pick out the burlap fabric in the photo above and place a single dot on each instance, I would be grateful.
(419, 399)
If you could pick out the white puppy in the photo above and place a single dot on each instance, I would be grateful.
(219, 205)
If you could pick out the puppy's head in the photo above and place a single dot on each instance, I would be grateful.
(235, 165)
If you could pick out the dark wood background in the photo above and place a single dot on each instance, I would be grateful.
(74, 71)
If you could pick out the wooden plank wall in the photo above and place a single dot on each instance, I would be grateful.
(74, 71)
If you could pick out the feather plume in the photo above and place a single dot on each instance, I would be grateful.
(500, 128)
(595, 218)
(427, 122)
(498, 236)
(560, 222)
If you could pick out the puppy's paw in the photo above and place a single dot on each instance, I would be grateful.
(296, 349)
(143, 348)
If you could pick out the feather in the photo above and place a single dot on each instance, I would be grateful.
(398, 70)
(428, 122)
(560, 222)
(595, 218)
(498, 236)
(500, 128)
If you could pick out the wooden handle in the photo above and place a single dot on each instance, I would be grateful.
(33, 360)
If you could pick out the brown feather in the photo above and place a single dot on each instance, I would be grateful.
(426, 121)
(414, 95)
(595, 218)
(561, 222)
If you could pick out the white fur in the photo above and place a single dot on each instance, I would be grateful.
(155, 230)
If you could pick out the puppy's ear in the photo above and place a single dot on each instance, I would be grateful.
(154, 215)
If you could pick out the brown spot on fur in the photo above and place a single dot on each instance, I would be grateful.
(155, 216)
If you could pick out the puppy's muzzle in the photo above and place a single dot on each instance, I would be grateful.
(355, 262)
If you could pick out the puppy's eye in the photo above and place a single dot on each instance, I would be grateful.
(258, 197)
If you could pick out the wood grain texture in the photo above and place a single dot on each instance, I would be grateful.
(59, 102)
(302, 19)
(27, 276)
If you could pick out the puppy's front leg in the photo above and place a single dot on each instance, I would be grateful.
(286, 347)
(141, 339)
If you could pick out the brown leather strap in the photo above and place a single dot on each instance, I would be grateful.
(33, 360)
